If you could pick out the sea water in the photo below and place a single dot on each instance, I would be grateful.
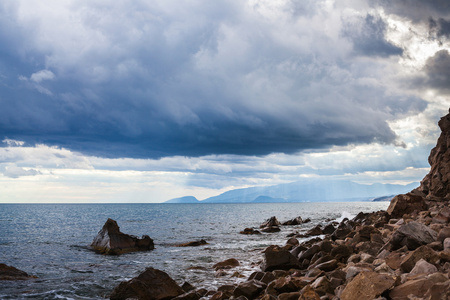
(51, 242)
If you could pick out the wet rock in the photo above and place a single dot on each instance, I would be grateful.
(152, 284)
(328, 229)
(292, 241)
(406, 204)
(271, 229)
(187, 287)
(250, 231)
(276, 258)
(412, 235)
(111, 241)
(295, 221)
(227, 264)
(12, 273)
(249, 289)
(193, 244)
(270, 223)
(367, 286)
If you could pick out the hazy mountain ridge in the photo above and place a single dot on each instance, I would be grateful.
(309, 190)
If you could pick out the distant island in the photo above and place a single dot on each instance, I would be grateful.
(308, 190)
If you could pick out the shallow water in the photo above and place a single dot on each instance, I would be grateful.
(51, 241)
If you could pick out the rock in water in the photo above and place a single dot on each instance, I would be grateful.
(436, 184)
(111, 241)
(152, 284)
(11, 273)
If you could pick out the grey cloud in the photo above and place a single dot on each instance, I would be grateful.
(368, 36)
(440, 27)
(156, 80)
(437, 69)
(14, 171)
(416, 10)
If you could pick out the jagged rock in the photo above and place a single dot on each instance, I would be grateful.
(193, 244)
(436, 184)
(406, 204)
(152, 284)
(271, 229)
(413, 235)
(308, 293)
(443, 216)
(443, 234)
(423, 252)
(439, 291)
(110, 240)
(249, 231)
(295, 221)
(417, 288)
(276, 258)
(12, 273)
(249, 289)
(270, 223)
(367, 286)
(422, 266)
(227, 264)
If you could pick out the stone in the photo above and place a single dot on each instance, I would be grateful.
(328, 265)
(193, 244)
(406, 204)
(447, 243)
(270, 223)
(187, 287)
(276, 258)
(412, 235)
(317, 230)
(227, 264)
(341, 252)
(110, 240)
(12, 273)
(439, 291)
(308, 293)
(250, 231)
(367, 286)
(292, 241)
(289, 296)
(443, 234)
(423, 252)
(249, 289)
(271, 229)
(443, 216)
(322, 285)
(293, 222)
(329, 229)
(152, 284)
(416, 288)
(422, 266)
(309, 253)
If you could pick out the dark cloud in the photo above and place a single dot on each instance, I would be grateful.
(155, 80)
(368, 37)
(440, 27)
(437, 69)
(416, 10)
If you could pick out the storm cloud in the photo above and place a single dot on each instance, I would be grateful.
(196, 78)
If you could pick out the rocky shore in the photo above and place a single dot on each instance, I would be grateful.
(402, 253)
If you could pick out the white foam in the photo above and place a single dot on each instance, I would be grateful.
(344, 215)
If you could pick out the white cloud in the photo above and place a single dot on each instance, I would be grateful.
(42, 75)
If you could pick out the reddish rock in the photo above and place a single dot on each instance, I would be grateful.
(406, 204)
(152, 284)
(424, 252)
(227, 264)
(111, 241)
(367, 286)
(443, 234)
(276, 258)
(12, 273)
(249, 289)
(249, 231)
(295, 221)
(418, 288)
(193, 244)
(308, 293)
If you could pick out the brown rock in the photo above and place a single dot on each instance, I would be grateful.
(367, 285)
(405, 204)
(308, 293)
(412, 235)
(270, 223)
(417, 288)
(111, 241)
(439, 291)
(328, 265)
(446, 244)
(322, 285)
(295, 221)
(443, 234)
(249, 231)
(249, 289)
(276, 258)
(152, 284)
(271, 229)
(424, 252)
(289, 296)
(12, 273)
(193, 244)
(227, 264)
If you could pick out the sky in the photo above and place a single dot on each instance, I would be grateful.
(144, 101)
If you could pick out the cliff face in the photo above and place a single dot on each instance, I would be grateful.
(436, 184)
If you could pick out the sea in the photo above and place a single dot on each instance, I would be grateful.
(51, 242)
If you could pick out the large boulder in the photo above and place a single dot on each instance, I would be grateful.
(413, 235)
(295, 221)
(367, 286)
(110, 240)
(436, 184)
(276, 258)
(12, 273)
(152, 284)
(273, 221)
(405, 204)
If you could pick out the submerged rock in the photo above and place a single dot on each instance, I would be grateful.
(111, 241)
(152, 284)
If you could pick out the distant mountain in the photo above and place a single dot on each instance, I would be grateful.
(311, 190)
(186, 199)
(385, 198)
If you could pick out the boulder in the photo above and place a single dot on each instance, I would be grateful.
(443, 234)
(227, 264)
(412, 235)
(276, 258)
(406, 204)
(152, 284)
(111, 241)
(271, 229)
(249, 289)
(193, 244)
(424, 252)
(12, 273)
(249, 231)
(417, 288)
(292, 222)
(270, 223)
(367, 286)
(422, 266)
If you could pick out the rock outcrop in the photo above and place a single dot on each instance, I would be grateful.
(111, 241)
(436, 184)
(12, 273)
